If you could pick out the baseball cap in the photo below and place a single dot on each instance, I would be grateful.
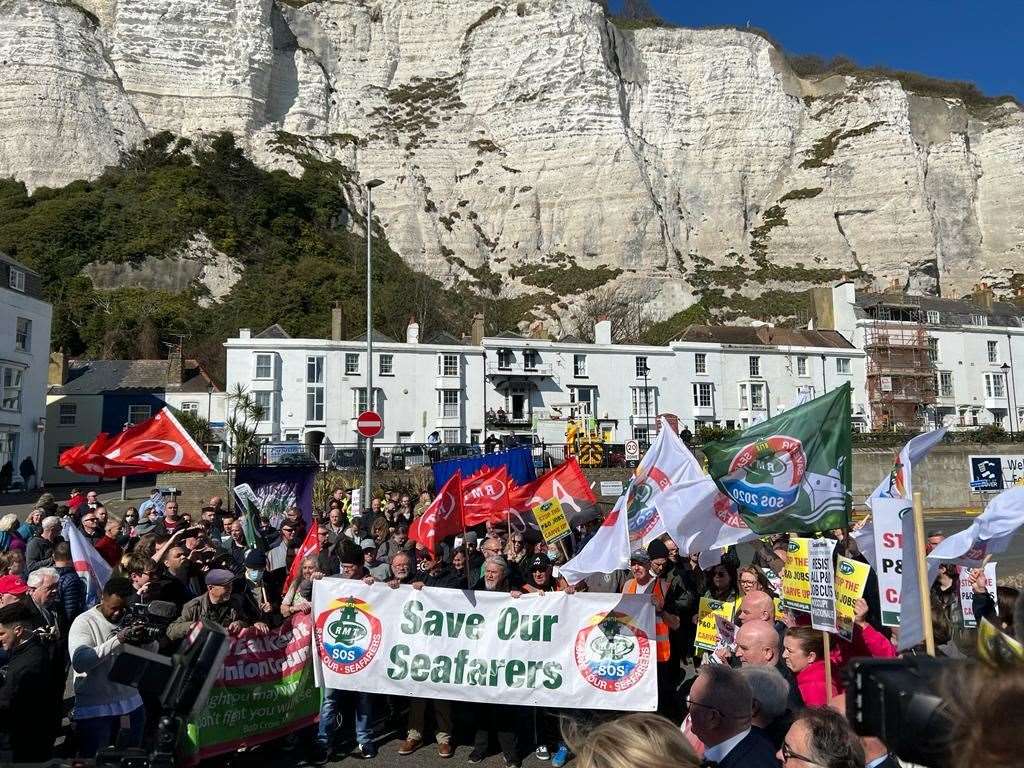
(219, 577)
(368, 544)
(540, 561)
(639, 556)
(12, 585)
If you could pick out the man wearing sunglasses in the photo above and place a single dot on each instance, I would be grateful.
(720, 705)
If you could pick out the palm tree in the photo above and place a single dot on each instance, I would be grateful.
(244, 414)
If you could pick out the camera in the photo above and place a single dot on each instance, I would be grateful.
(900, 701)
(147, 622)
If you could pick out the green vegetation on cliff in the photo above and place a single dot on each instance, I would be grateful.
(289, 233)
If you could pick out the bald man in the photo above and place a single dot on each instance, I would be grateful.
(757, 605)
(757, 644)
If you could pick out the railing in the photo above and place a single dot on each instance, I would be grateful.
(518, 369)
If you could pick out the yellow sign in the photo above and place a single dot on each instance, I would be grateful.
(707, 627)
(796, 576)
(591, 453)
(851, 578)
(552, 520)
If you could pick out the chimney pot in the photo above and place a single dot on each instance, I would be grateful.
(412, 331)
(245, 333)
(336, 319)
(603, 330)
(477, 332)
(57, 371)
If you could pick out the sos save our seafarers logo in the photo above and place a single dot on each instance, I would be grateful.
(642, 516)
(348, 635)
(765, 476)
(612, 652)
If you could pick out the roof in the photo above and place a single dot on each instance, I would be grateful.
(951, 311)
(15, 262)
(273, 332)
(508, 335)
(571, 339)
(445, 339)
(95, 377)
(764, 335)
(383, 338)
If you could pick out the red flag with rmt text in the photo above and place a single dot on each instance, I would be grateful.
(485, 495)
(443, 518)
(566, 483)
(310, 546)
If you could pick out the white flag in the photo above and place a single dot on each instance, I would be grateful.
(606, 552)
(89, 564)
(700, 518)
(988, 534)
(899, 483)
(666, 463)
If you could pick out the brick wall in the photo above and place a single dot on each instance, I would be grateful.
(195, 489)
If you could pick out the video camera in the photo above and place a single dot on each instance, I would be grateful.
(182, 682)
(147, 622)
(900, 701)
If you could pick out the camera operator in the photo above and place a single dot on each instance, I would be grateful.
(94, 641)
(27, 698)
(218, 605)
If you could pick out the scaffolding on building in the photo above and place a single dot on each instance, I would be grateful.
(900, 371)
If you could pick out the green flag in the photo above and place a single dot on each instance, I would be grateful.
(249, 504)
(792, 473)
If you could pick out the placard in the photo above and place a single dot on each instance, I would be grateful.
(967, 592)
(888, 529)
(796, 577)
(851, 578)
(552, 520)
(708, 614)
(823, 592)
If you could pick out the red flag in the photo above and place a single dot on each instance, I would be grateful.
(310, 546)
(443, 518)
(159, 444)
(566, 483)
(485, 496)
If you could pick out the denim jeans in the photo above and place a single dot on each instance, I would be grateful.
(95, 733)
(330, 710)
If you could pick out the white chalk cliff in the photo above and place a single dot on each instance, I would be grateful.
(513, 131)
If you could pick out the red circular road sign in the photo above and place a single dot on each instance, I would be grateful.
(369, 424)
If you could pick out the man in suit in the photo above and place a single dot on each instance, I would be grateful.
(721, 707)
(821, 736)
(876, 754)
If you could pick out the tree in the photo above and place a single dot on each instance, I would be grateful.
(244, 415)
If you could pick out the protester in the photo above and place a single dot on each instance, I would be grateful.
(39, 550)
(299, 597)
(771, 715)
(721, 709)
(822, 737)
(752, 579)
(645, 582)
(106, 544)
(804, 653)
(218, 605)
(94, 641)
(32, 526)
(171, 521)
(758, 645)
(70, 587)
(28, 697)
(640, 740)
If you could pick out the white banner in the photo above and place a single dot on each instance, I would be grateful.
(887, 517)
(593, 651)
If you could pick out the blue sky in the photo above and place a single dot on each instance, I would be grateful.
(973, 40)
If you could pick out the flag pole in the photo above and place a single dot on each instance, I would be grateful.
(828, 666)
(922, 575)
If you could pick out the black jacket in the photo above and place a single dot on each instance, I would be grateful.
(27, 696)
(755, 751)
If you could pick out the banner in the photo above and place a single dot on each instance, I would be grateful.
(967, 592)
(822, 581)
(851, 579)
(709, 614)
(444, 516)
(796, 576)
(888, 516)
(988, 534)
(265, 690)
(517, 461)
(591, 651)
(277, 488)
(608, 549)
(90, 566)
(792, 473)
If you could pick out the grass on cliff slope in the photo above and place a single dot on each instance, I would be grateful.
(288, 233)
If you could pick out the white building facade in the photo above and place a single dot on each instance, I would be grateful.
(972, 353)
(311, 390)
(25, 320)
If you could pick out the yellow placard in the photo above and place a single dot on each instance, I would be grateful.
(851, 578)
(552, 520)
(796, 576)
(707, 627)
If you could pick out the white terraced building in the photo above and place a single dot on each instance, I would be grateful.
(312, 389)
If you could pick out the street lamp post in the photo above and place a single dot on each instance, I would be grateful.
(368, 466)
(1008, 375)
(647, 405)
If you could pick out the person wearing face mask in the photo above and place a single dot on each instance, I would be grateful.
(259, 600)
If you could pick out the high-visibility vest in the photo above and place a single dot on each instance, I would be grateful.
(660, 627)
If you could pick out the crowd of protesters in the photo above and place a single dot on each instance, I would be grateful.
(762, 699)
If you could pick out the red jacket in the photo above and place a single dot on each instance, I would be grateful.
(811, 682)
(109, 550)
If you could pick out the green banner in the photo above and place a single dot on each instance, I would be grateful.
(266, 690)
(794, 472)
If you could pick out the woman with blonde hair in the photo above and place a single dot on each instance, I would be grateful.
(641, 739)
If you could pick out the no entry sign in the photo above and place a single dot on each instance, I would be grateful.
(369, 424)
